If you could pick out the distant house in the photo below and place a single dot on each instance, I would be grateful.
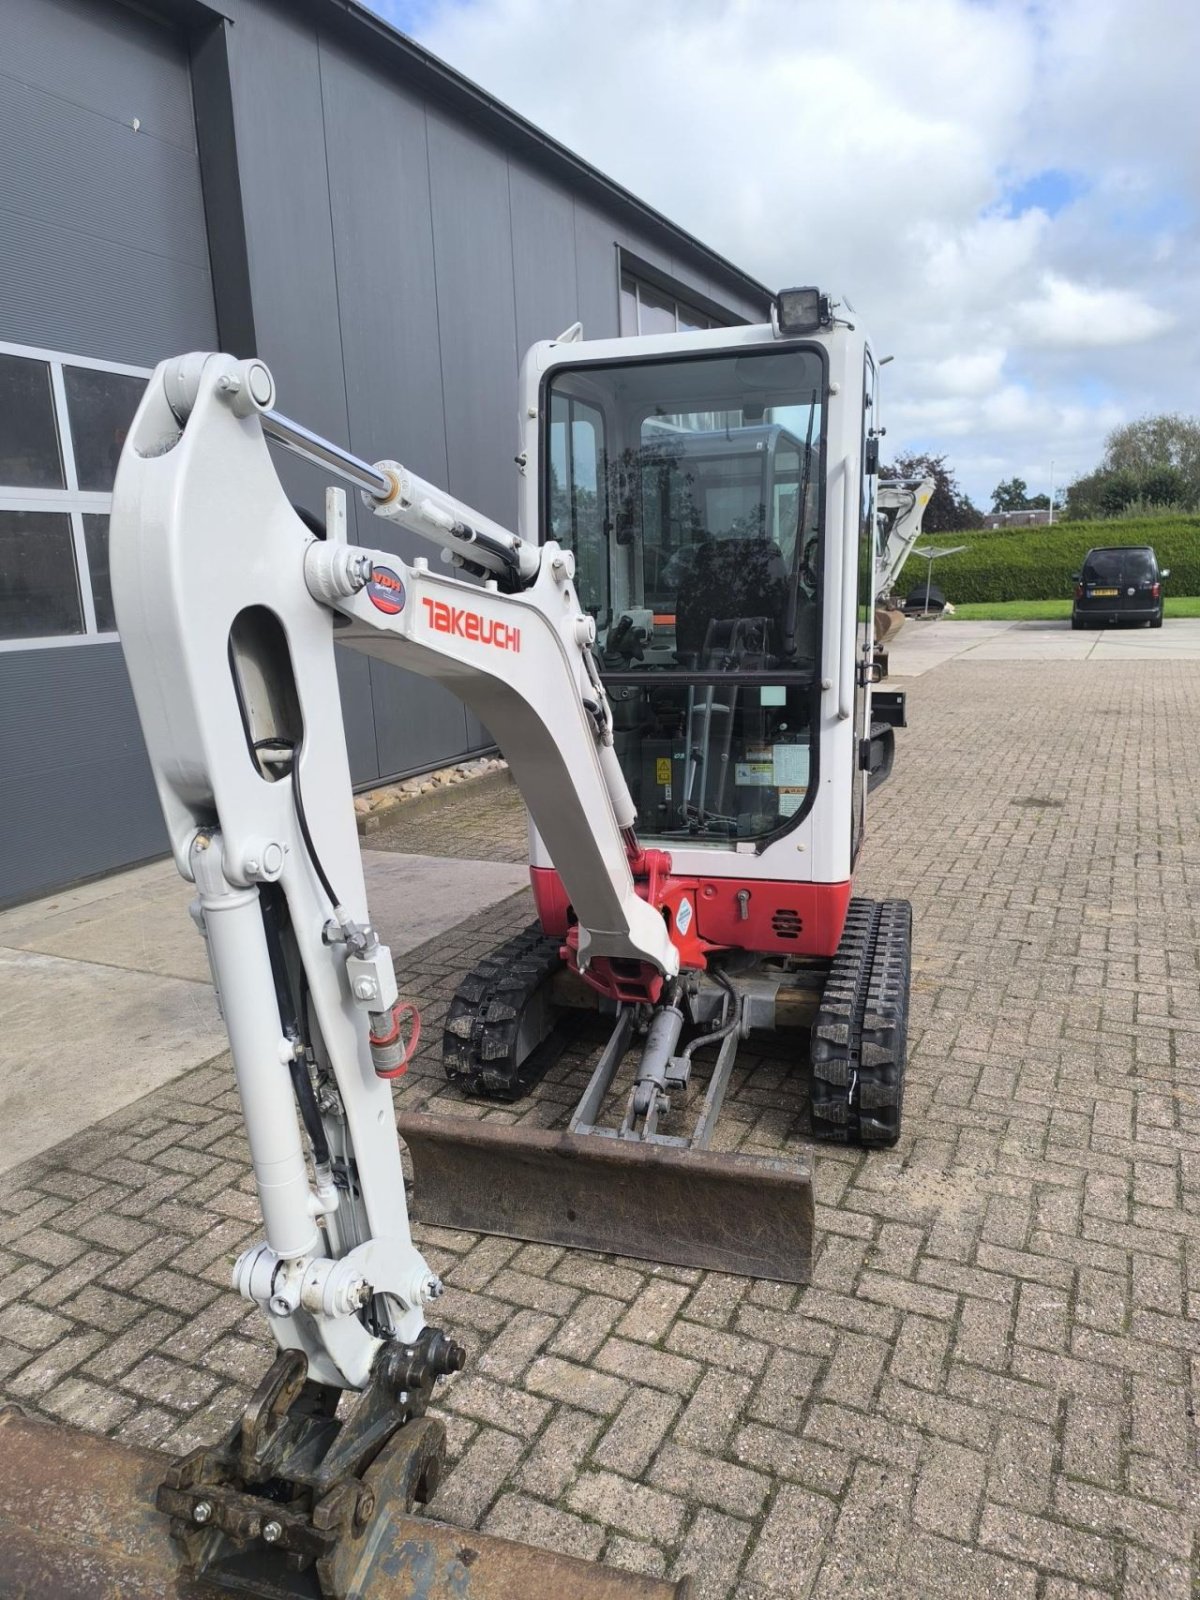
(1016, 519)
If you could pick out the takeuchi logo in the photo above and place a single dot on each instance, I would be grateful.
(466, 624)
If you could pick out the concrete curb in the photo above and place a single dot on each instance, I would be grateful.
(425, 804)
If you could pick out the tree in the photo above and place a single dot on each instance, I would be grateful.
(949, 508)
(1011, 496)
(1169, 440)
(1152, 462)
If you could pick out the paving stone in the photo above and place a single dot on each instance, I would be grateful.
(872, 1528)
(918, 1356)
(950, 1489)
(561, 1446)
(716, 1299)
(515, 1516)
(30, 1325)
(53, 1365)
(709, 1480)
(713, 1411)
(853, 1373)
(1152, 1576)
(656, 1367)
(87, 1405)
(653, 1312)
(861, 1435)
(636, 1431)
(711, 1554)
(494, 1403)
(577, 1386)
(1050, 1545)
(170, 1383)
(790, 1547)
(467, 1492)
(786, 1389)
(719, 1349)
(584, 1330)
(630, 1507)
(152, 1330)
(516, 1345)
(1022, 1464)
(1085, 1506)
(785, 1456)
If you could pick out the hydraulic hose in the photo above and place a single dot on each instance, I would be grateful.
(715, 1035)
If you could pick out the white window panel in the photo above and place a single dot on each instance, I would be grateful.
(56, 473)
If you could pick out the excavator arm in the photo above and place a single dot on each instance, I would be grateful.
(228, 608)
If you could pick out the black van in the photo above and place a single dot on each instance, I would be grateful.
(1119, 584)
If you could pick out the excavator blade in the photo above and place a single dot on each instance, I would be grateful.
(77, 1522)
(749, 1215)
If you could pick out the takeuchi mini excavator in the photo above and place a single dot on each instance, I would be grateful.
(674, 653)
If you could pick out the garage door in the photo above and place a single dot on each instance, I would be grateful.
(104, 271)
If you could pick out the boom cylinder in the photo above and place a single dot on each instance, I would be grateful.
(241, 963)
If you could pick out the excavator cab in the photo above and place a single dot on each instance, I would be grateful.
(717, 491)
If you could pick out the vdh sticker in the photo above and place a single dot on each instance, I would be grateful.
(465, 624)
(386, 590)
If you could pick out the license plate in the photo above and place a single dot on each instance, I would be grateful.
(1096, 594)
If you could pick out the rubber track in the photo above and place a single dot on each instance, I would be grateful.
(860, 1033)
(480, 1040)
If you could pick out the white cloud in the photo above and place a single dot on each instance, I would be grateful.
(870, 147)
(1072, 314)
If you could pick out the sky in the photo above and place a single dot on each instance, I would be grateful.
(1007, 193)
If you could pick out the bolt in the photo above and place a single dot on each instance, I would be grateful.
(272, 1532)
(364, 1510)
(202, 1512)
(364, 989)
(280, 1306)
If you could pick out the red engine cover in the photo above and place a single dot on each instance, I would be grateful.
(799, 919)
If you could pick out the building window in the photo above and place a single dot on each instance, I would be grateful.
(63, 420)
(646, 309)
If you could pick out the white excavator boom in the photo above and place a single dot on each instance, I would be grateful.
(227, 607)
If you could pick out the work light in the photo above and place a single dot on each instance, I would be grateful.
(797, 311)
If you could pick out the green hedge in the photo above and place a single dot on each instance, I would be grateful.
(1037, 563)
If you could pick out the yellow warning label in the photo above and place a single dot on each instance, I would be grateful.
(662, 769)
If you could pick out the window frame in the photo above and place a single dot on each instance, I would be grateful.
(700, 321)
(690, 677)
(71, 500)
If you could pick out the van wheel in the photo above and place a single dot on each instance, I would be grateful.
(1077, 623)
(1156, 622)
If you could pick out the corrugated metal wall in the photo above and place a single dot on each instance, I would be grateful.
(103, 253)
(400, 261)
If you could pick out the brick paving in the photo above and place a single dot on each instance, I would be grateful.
(988, 1388)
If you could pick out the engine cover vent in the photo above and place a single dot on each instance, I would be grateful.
(787, 924)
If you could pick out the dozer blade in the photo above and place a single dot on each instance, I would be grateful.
(77, 1522)
(749, 1215)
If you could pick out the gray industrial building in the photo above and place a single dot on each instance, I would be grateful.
(292, 179)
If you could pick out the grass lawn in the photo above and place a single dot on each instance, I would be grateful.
(1183, 605)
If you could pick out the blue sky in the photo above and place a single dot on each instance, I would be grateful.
(1007, 191)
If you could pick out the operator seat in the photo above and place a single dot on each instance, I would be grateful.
(729, 580)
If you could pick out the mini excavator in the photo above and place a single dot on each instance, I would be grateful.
(674, 653)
